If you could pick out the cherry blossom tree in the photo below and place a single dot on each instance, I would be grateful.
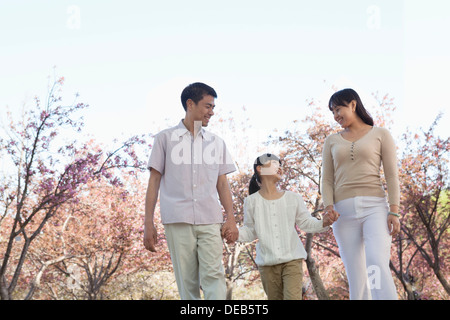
(71, 213)
(425, 209)
(45, 173)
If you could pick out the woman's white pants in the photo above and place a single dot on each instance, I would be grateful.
(364, 244)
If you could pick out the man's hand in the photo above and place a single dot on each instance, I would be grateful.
(150, 237)
(229, 231)
(150, 233)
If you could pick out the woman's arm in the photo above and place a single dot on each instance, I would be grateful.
(390, 167)
(327, 182)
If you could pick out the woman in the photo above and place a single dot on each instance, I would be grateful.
(352, 183)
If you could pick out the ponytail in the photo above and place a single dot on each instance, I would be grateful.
(254, 185)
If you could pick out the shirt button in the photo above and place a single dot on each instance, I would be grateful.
(195, 200)
(195, 185)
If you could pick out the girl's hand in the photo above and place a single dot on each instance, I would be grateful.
(230, 232)
(330, 217)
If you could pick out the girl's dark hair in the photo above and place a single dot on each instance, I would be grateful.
(255, 181)
(195, 92)
(344, 97)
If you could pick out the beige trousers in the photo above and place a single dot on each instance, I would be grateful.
(196, 252)
(283, 281)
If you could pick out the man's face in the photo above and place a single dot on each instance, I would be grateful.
(203, 110)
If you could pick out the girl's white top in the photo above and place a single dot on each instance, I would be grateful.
(273, 222)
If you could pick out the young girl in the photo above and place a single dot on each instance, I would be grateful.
(270, 215)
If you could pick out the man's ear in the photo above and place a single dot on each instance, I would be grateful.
(189, 104)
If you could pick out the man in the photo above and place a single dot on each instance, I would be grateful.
(190, 164)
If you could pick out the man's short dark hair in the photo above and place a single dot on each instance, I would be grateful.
(196, 91)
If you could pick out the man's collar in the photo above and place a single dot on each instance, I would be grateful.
(181, 130)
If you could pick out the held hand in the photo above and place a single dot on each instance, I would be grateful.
(230, 232)
(393, 225)
(330, 217)
(150, 237)
(229, 237)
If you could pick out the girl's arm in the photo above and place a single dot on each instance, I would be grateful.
(247, 231)
(305, 221)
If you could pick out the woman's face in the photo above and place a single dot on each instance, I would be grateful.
(345, 115)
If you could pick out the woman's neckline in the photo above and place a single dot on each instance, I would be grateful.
(370, 130)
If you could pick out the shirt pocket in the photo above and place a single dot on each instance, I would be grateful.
(212, 172)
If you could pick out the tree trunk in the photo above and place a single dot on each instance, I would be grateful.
(229, 295)
(442, 280)
(233, 254)
(405, 280)
(36, 283)
(313, 271)
(409, 290)
(4, 292)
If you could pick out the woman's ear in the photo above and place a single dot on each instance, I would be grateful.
(352, 105)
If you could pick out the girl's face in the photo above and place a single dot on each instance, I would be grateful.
(271, 169)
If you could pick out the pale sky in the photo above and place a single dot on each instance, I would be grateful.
(130, 60)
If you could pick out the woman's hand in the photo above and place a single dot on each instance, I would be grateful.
(393, 225)
(330, 217)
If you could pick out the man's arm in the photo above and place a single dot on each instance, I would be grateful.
(150, 233)
(224, 191)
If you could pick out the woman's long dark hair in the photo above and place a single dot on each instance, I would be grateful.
(255, 181)
(344, 97)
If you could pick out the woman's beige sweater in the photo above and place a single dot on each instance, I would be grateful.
(352, 169)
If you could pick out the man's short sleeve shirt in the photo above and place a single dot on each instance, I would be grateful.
(189, 167)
